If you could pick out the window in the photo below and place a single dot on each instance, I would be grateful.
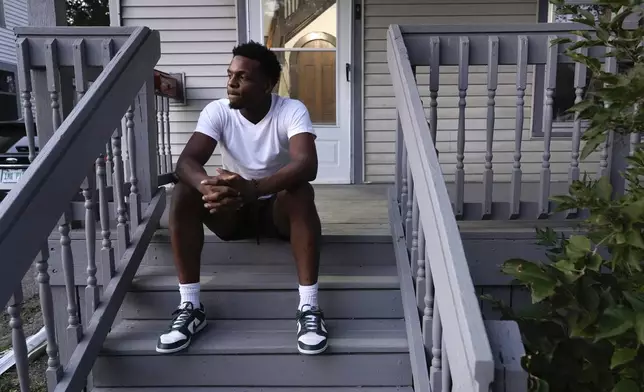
(8, 96)
(564, 99)
(303, 34)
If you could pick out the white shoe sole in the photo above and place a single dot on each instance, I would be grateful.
(183, 346)
(312, 352)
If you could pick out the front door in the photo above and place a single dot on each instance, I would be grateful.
(312, 39)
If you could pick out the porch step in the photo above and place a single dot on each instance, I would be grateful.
(268, 292)
(345, 250)
(257, 353)
(249, 344)
(221, 337)
(268, 277)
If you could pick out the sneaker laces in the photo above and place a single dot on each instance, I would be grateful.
(311, 320)
(181, 315)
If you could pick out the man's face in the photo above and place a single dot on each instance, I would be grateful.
(247, 84)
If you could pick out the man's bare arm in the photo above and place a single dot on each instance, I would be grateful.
(190, 166)
(302, 168)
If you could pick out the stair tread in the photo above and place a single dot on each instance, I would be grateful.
(139, 337)
(258, 389)
(267, 277)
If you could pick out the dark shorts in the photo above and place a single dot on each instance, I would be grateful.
(253, 221)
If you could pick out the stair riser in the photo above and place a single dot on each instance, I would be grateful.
(273, 304)
(254, 370)
(244, 253)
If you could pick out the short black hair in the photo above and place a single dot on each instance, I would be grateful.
(267, 59)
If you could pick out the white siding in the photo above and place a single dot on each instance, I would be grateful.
(15, 15)
(197, 38)
(379, 112)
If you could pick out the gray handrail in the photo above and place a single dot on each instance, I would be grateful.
(49, 183)
(463, 331)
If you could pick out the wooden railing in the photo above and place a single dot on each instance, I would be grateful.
(481, 86)
(117, 109)
(166, 87)
(449, 345)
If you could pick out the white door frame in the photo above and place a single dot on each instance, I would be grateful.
(341, 134)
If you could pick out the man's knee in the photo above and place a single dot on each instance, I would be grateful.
(183, 193)
(185, 201)
(299, 196)
(301, 193)
(187, 207)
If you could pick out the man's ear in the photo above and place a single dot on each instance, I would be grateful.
(269, 88)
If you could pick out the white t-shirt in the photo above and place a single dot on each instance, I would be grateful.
(255, 150)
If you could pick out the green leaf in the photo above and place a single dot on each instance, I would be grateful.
(622, 356)
(636, 300)
(634, 259)
(580, 243)
(581, 106)
(626, 385)
(603, 34)
(563, 202)
(614, 322)
(634, 238)
(536, 311)
(570, 272)
(586, 14)
(578, 246)
(628, 372)
(536, 384)
(594, 262)
(620, 238)
(590, 147)
(604, 189)
(542, 284)
(639, 326)
(634, 210)
(559, 41)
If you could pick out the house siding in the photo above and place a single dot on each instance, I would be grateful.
(197, 38)
(379, 108)
(15, 12)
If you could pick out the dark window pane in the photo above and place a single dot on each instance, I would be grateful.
(7, 82)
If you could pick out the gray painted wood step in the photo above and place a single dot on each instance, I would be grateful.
(274, 277)
(257, 353)
(269, 304)
(276, 370)
(352, 250)
(258, 389)
(139, 337)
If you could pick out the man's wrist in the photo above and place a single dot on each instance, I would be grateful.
(253, 190)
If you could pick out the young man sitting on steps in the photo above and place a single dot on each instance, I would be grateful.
(269, 157)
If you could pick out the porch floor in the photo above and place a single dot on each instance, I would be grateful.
(353, 209)
(361, 209)
(345, 209)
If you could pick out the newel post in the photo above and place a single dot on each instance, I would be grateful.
(145, 139)
(44, 13)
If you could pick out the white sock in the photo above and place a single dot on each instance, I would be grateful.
(190, 293)
(308, 295)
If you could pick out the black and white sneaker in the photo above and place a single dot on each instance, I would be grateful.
(311, 330)
(186, 322)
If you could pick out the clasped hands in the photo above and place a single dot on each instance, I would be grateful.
(226, 191)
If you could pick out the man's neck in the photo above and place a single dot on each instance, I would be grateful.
(258, 112)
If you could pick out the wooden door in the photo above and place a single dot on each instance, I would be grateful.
(312, 76)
